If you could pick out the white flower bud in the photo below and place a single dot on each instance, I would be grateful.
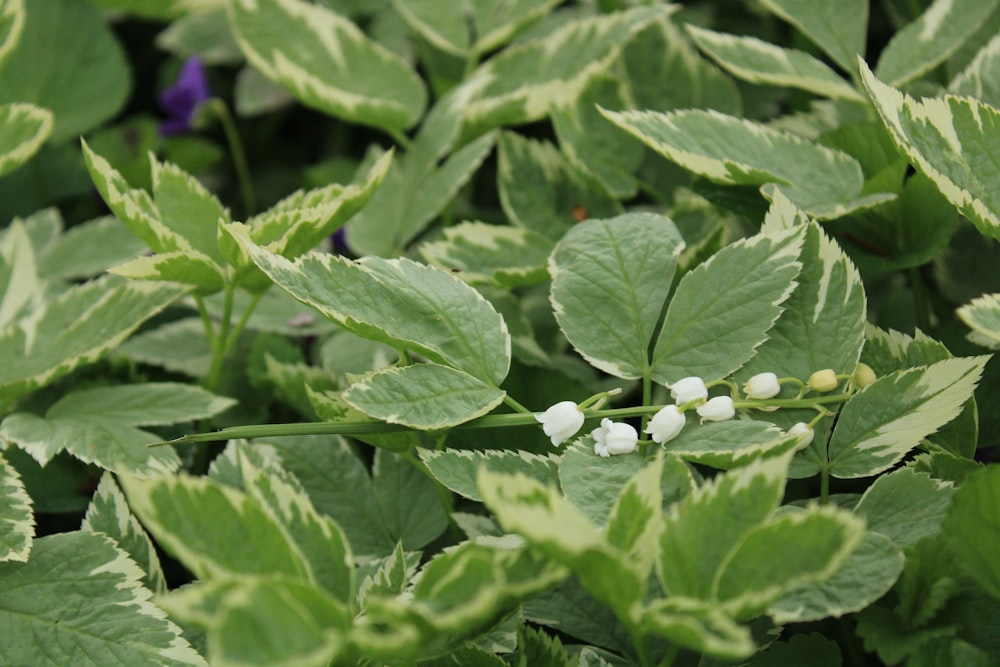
(612, 438)
(561, 421)
(761, 386)
(804, 433)
(688, 389)
(665, 424)
(824, 380)
(717, 409)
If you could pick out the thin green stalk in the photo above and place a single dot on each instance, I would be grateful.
(206, 321)
(517, 407)
(400, 139)
(238, 329)
(671, 655)
(240, 165)
(221, 342)
(647, 398)
(921, 306)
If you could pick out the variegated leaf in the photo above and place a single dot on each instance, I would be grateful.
(185, 267)
(482, 253)
(19, 280)
(889, 417)
(699, 626)
(80, 326)
(950, 140)
(457, 468)
(95, 610)
(108, 513)
(327, 62)
(757, 61)
(981, 78)
(11, 26)
(17, 521)
(839, 28)
(730, 444)
(188, 208)
(23, 130)
(524, 82)
(982, 315)
(823, 182)
(933, 37)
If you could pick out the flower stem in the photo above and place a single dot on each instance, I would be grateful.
(507, 399)
(647, 398)
(239, 156)
(221, 342)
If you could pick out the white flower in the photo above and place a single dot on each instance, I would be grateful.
(717, 409)
(614, 438)
(804, 433)
(688, 389)
(665, 424)
(561, 421)
(762, 385)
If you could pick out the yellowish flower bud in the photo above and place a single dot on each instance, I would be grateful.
(863, 375)
(824, 380)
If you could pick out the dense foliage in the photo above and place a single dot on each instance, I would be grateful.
(499, 332)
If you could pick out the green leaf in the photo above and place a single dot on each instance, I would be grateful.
(839, 28)
(525, 81)
(730, 444)
(698, 627)
(408, 500)
(87, 249)
(119, 626)
(16, 517)
(478, 28)
(972, 527)
(635, 521)
(889, 417)
(100, 425)
(823, 182)
(186, 267)
(11, 26)
(457, 468)
(553, 525)
(931, 39)
(823, 322)
(108, 513)
(757, 61)
(702, 530)
(327, 62)
(83, 83)
(388, 576)
(592, 483)
(187, 207)
(423, 396)
(339, 485)
(815, 543)
(813, 649)
(79, 327)
(942, 137)
(982, 315)
(214, 530)
(179, 346)
(610, 280)
(277, 622)
(320, 539)
(541, 191)
(491, 254)
(23, 130)
(22, 289)
(721, 310)
(867, 574)
(399, 302)
(905, 506)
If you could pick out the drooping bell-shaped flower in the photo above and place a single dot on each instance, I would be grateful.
(182, 99)
(688, 389)
(823, 380)
(804, 433)
(717, 409)
(561, 421)
(611, 438)
(665, 424)
(761, 386)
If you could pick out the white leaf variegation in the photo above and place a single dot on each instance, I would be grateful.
(17, 522)
(839, 28)
(498, 254)
(982, 315)
(889, 417)
(23, 130)
(327, 62)
(757, 61)
(981, 78)
(950, 139)
(456, 468)
(823, 182)
(120, 627)
(11, 25)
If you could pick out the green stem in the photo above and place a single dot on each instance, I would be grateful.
(824, 483)
(238, 329)
(221, 343)
(515, 405)
(921, 306)
(400, 139)
(206, 321)
(647, 398)
(671, 655)
(239, 156)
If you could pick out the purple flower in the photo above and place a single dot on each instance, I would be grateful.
(182, 99)
(339, 241)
